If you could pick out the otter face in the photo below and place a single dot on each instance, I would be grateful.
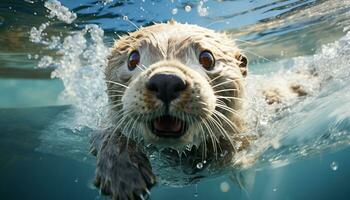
(176, 84)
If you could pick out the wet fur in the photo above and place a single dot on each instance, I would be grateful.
(123, 170)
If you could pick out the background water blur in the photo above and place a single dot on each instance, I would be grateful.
(37, 161)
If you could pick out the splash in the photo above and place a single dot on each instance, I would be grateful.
(61, 12)
(36, 34)
(79, 63)
(82, 57)
(297, 129)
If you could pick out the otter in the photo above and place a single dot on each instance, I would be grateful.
(177, 89)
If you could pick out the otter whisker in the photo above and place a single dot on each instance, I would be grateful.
(116, 83)
(231, 124)
(225, 82)
(225, 90)
(228, 109)
(212, 135)
(138, 66)
(227, 97)
(116, 101)
(144, 67)
(203, 141)
(219, 76)
(122, 119)
(116, 95)
(255, 54)
(212, 121)
(130, 132)
(108, 90)
(116, 105)
(223, 130)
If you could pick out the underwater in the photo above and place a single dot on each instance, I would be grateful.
(53, 95)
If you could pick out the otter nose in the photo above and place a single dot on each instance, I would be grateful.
(167, 87)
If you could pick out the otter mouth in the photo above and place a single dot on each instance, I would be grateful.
(168, 126)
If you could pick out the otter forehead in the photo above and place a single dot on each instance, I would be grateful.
(174, 41)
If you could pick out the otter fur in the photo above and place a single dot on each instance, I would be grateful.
(177, 89)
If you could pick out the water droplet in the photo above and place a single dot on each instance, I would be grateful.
(224, 186)
(188, 8)
(174, 11)
(125, 17)
(334, 166)
(199, 165)
(202, 10)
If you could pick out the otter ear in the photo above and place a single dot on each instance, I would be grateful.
(243, 64)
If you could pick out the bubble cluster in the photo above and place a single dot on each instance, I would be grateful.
(80, 62)
(202, 9)
(61, 12)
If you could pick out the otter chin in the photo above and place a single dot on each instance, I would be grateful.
(171, 86)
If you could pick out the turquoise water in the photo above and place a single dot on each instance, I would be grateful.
(44, 122)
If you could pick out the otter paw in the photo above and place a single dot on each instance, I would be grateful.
(124, 177)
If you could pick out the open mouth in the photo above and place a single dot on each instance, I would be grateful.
(168, 126)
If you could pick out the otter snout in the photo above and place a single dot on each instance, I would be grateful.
(166, 87)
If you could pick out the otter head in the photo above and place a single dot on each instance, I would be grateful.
(176, 84)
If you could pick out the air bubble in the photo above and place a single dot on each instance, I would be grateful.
(188, 8)
(224, 186)
(125, 18)
(334, 166)
(174, 11)
(199, 165)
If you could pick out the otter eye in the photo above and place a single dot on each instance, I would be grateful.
(207, 60)
(134, 60)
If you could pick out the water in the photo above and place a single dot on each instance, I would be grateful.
(44, 135)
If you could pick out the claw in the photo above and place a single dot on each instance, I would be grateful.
(148, 192)
(141, 197)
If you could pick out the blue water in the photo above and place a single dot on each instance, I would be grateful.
(44, 144)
